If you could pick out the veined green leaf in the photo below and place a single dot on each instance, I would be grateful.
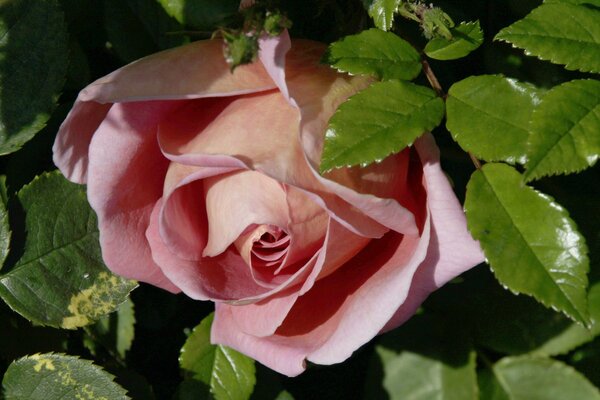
(565, 130)
(375, 52)
(382, 119)
(60, 280)
(228, 374)
(58, 377)
(382, 12)
(466, 37)
(530, 242)
(489, 116)
(33, 65)
(526, 377)
(559, 32)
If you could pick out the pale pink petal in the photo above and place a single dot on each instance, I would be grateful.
(238, 200)
(340, 313)
(273, 50)
(220, 278)
(271, 352)
(126, 172)
(192, 71)
(264, 317)
(70, 150)
(452, 250)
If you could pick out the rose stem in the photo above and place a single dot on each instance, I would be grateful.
(435, 84)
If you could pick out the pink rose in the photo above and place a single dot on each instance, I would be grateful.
(206, 182)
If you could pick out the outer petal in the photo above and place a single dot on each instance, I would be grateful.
(193, 71)
(452, 250)
(126, 174)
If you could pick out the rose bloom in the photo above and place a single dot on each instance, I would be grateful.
(205, 182)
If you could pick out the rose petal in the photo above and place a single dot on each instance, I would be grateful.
(452, 250)
(237, 201)
(71, 147)
(264, 317)
(187, 72)
(340, 313)
(126, 172)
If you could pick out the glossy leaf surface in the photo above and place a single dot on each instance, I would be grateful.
(530, 242)
(562, 33)
(489, 115)
(381, 120)
(375, 52)
(565, 130)
(382, 12)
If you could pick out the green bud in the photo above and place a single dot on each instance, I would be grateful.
(241, 48)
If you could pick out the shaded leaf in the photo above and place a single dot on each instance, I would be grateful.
(382, 119)
(60, 280)
(201, 14)
(375, 52)
(489, 115)
(562, 33)
(530, 242)
(466, 37)
(426, 359)
(114, 331)
(58, 376)
(565, 130)
(33, 65)
(525, 378)
(228, 374)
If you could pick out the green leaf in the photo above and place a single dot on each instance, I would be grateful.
(375, 52)
(382, 119)
(466, 37)
(201, 14)
(530, 242)
(137, 28)
(382, 12)
(33, 67)
(60, 280)
(590, 2)
(426, 359)
(5, 233)
(489, 116)
(114, 331)
(565, 130)
(57, 377)
(561, 33)
(526, 378)
(229, 375)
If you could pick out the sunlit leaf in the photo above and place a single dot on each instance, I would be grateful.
(565, 130)
(375, 52)
(559, 32)
(380, 120)
(530, 242)
(489, 116)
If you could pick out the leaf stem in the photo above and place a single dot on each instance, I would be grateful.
(433, 81)
(435, 84)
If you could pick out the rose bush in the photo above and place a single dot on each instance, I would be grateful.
(205, 181)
